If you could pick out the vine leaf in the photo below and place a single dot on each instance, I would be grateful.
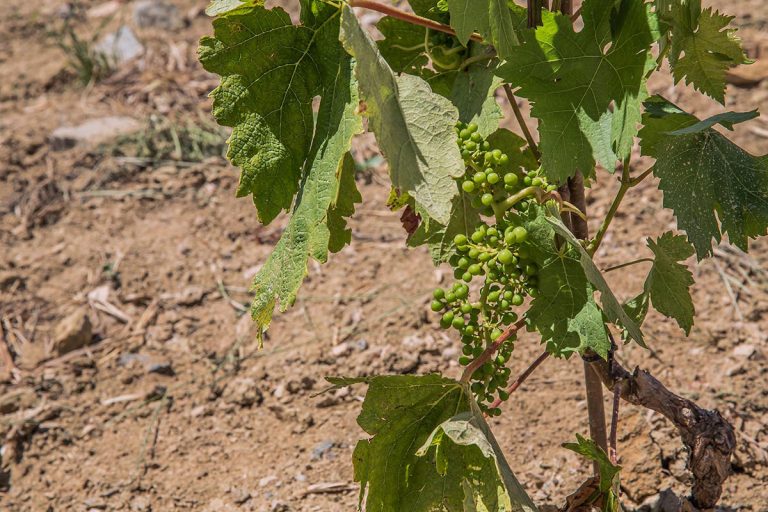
(713, 186)
(430, 449)
(271, 71)
(702, 48)
(609, 473)
(669, 282)
(611, 306)
(326, 191)
(564, 311)
(414, 126)
(573, 79)
(492, 19)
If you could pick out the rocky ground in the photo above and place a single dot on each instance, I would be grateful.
(131, 379)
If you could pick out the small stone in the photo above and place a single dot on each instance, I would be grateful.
(323, 448)
(141, 504)
(200, 410)
(157, 14)
(190, 296)
(279, 506)
(744, 350)
(239, 495)
(161, 368)
(243, 392)
(361, 345)
(267, 480)
(93, 132)
(120, 46)
(341, 350)
(72, 333)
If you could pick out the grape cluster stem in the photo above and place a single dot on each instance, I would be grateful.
(492, 348)
(522, 377)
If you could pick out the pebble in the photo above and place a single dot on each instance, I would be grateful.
(157, 14)
(93, 132)
(120, 46)
(268, 480)
(323, 448)
(744, 350)
(243, 392)
(73, 332)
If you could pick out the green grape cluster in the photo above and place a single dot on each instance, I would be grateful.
(490, 178)
(492, 265)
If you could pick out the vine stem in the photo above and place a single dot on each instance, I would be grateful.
(627, 264)
(521, 121)
(612, 442)
(408, 17)
(522, 377)
(492, 348)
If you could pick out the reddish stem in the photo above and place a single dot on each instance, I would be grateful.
(492, 348)
(612, 452)
(521, 378)
(408, 17)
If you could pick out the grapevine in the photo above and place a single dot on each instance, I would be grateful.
(506, 212)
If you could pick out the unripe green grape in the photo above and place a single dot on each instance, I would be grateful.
(510, 318)
(504, 304)
(508, 294)
(466, 350)
(505, 256)
(517, 300)
(477, 351)
(468, 186)
(551, 188)
(460, 239)
(526, 181)
(462, 248)
(493, 296)
(509, 239)
(537, 182)
(450, 297)
(476, 137)
(470, 146)
(495, 334)
(533, 292)
(486, 145)
(488, 368)
(466, 155)
(477, 387)
(436, 306)
(466, 277)
(475, 269)
(503, 395)
(511, 179)
(463, 263)
(438, 294)
(469, 330)
(479, 177)
(531, 269)
(493, 240)
(465, 308)
(496, 154)
(492, 178)
(523, 252)
(487, 199)
(492, 387)
(463, 291)
(465, 134)
(448, 316)
(473, 253)
(484, 256)
(458, 322)
(492, 231)
(521, 234)
(503, 160)
(472, 127)
(444, 324)
(464, 361)
(475, 202)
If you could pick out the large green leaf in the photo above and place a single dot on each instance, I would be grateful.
(413, 125)
(611, 306)
(439, 237)
(702, 48)
(271, 71)
(564, 311)
(278, 143)
(492, 19)
(669, 282)
(574, 79)
(713, 186)
(430, 449)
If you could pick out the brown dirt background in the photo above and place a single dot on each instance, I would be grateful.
(237, 428)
